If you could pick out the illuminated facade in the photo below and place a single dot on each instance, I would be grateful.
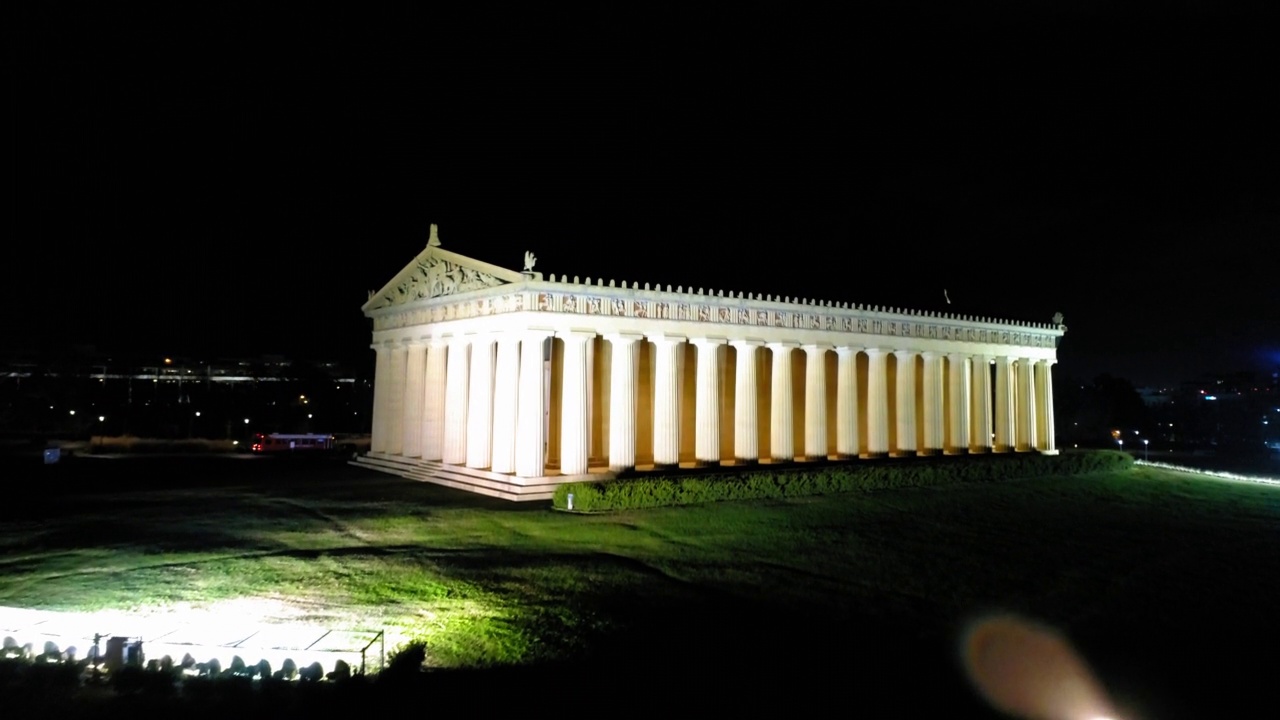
(506, 383)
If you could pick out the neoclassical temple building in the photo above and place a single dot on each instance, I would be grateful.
(508, 383)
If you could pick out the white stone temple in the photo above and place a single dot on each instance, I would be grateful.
(508, 383)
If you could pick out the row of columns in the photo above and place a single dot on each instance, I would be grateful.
(480, 400)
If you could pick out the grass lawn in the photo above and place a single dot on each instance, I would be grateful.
(1166, 582)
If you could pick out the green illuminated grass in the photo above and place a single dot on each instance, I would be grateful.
(1130, 565)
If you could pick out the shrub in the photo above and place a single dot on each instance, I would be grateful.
(683, 489)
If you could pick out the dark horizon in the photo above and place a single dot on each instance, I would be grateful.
(198, 183)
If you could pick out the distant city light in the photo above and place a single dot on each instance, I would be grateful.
(197, 413)
(246, 421)
(102, 418)
(1210, 397)
(73, 412)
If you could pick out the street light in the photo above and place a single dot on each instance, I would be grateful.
(1146, 449)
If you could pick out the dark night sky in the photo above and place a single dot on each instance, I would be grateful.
(221, 179)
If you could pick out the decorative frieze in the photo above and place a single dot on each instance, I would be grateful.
(836, 320)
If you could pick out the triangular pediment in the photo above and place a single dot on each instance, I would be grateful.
(437, 272)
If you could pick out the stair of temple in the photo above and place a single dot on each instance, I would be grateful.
(484, 482)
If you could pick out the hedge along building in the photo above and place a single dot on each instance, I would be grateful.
(507, 384)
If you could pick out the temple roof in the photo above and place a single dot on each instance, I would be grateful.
(436, 272)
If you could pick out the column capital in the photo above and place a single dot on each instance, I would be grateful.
(538, 334)
(748, 343)
(900, 353)
(811, 347)
(783, 345)
(845, 350)
(620, 337)
(663, 338)
(874, 351)
(931, 354)
(708, 341)
(575, 335)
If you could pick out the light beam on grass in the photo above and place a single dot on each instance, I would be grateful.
(253, 629)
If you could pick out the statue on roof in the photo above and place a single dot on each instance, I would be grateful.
(529, 261)
(434, 239)
(1057, 318)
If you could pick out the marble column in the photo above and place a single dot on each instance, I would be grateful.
(1026, 406)
(815, 402)
(574, 433)
(877, 402)
(1004, 404)
(706, 416)
(414, 397)
(1048, 444)
(381, 382)
(746, 406)
(395, 399)
(847, 402)
(506, 394)
(933, 404)
(905, 403)
(781, 420)
(591, 403)
(958, 379)
(623, 372)
(480, 402)
(455, 401)
(531, 408)
(433, 410)
(981, 416)
(666, 400)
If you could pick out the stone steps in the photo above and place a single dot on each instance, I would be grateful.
(483, 482)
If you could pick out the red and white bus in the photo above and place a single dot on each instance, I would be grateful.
(286, 442)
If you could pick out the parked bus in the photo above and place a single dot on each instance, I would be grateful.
(287, 442)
